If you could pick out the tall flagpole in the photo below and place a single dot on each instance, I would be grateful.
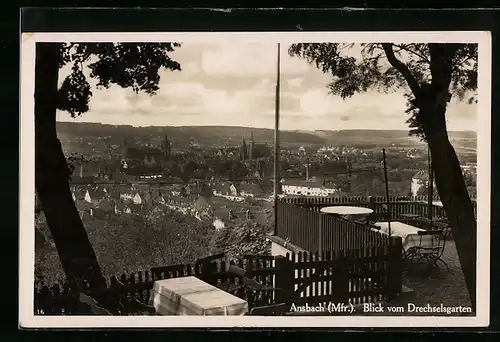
(277, 143)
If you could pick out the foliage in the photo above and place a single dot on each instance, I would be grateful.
(392, 67)
(128, 65)
(471, 183)
(129, 243)
(74, 160)
(238, 241)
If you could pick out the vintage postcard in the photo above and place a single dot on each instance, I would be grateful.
(322, 179)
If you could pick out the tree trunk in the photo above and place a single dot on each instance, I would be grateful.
(431, 100)
(77, 256)
(453, 193)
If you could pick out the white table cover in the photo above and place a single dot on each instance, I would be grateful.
(192, 296)
(348, 212)
(408, 234)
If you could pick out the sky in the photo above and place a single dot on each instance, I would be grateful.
(233, 84)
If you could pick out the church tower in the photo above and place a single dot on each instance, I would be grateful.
(124, 148)
(167, 147)
(251, 147)
(243, 150)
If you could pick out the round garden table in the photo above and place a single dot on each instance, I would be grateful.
(348, 212)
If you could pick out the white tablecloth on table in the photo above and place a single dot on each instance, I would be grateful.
(408, 234)
(436, 203)
(192, 296)
(348, 212)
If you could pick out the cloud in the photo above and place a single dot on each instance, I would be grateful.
(234, 84)
(295, 82)
(243, 58)
(191, 67)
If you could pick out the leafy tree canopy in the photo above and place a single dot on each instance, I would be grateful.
(249, 238)
(392, 67)
(129, 65)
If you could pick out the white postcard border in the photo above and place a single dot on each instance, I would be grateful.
(26, 232)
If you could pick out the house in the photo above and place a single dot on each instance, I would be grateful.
(78, 194)
(137, 199)
(178, 190)
(233, 189)
(250, 189)
(156, 197)
(218, 224)
(94, 195)
(137, 208)
(419, 181)
(201, 209)
(222, 189)
(145, 197)
(106, 205)
(114, 192)
(119, 208)
(85, 209)
(310, 187)
(127, 210)
(124, 193)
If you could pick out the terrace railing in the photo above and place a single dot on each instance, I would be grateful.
(344, 276)
(399, 205)
(313, 231)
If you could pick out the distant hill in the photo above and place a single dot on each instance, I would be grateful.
(368, 137)
(233, 135)
(230, 135)
(459, 139)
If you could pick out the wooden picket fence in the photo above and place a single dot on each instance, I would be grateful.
(398, 204)
(346, 276)
(60, 299)
(365, 275)
(307, 228)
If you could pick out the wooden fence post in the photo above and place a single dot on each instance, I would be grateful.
(394, 267)
(284, 280)
(371, 203)
(209, 272)
(320, 233)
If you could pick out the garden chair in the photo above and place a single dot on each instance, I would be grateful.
(409, 218)
(432, 255)
(375, 217)
(280, 309)
(116, 300)
(250, 286)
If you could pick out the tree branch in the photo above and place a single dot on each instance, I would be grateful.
(441, 63)
(401, 67)
(404, 48)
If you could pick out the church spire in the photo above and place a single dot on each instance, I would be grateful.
(251, 146)
(167, 147)
(124, 148)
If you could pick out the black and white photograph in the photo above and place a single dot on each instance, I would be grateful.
(267, 177)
